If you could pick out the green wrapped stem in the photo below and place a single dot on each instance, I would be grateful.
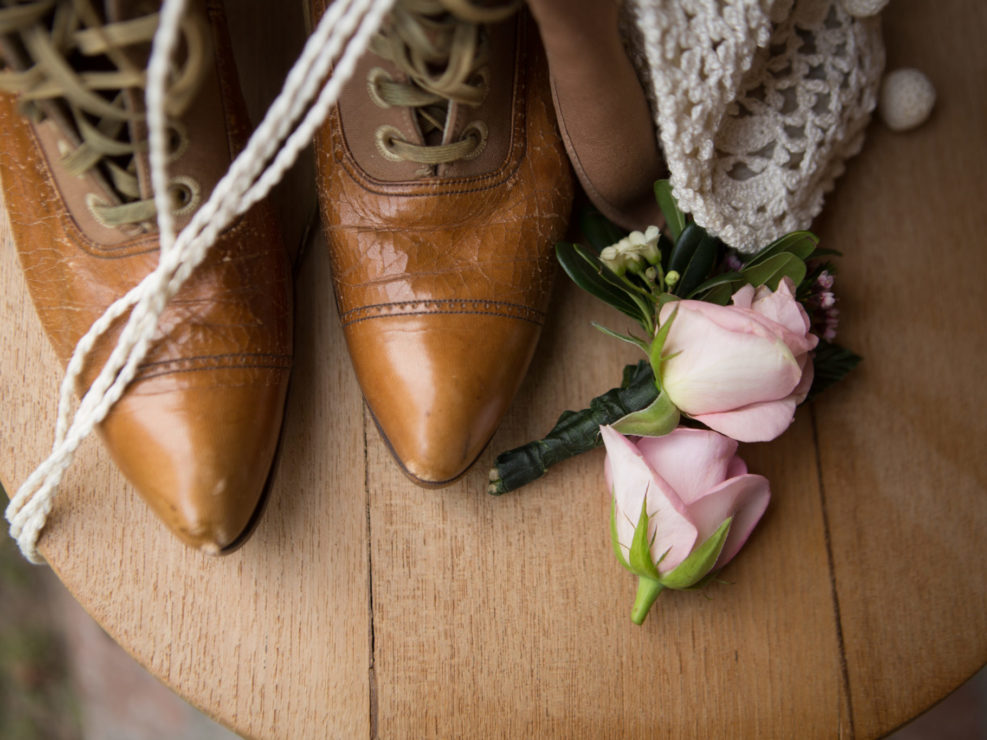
(575, 432)
(648, 591)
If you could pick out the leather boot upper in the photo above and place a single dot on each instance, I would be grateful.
(197, 429)
(442, 275)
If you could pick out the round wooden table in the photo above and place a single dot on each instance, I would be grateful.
(364, 606)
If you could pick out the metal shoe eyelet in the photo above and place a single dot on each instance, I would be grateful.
(481, 80)
(185, 195)
(476, 130)
(177, 140)
(384, 137)
(373, 86)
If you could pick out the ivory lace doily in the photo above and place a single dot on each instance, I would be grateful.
(758, 105)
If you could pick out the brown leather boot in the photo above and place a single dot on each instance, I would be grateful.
(444, 186)
(197, 429)
(602, 111)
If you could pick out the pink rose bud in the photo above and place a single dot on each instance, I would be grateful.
(683, 506)
(739, 369)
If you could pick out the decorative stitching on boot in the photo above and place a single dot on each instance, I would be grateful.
(443, 306)
(134, 246)
(239, 361)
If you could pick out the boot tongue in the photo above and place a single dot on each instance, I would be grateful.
(137, 55)
(14, 57)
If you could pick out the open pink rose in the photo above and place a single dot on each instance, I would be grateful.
(688, 482)
(739, 369)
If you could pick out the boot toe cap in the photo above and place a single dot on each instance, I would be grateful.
(438, 384)
(200, 453)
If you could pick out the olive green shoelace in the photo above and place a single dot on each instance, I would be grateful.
(59, 53)
(440, 47)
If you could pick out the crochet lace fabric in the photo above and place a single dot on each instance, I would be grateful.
(758, 105)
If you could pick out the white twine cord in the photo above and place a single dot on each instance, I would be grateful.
(272, 149)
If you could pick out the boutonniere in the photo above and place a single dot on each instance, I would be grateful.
(733, 343)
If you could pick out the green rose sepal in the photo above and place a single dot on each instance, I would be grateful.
(651, 583)
(661, 416)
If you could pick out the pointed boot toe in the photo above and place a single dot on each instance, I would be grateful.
(198, 449)
(438, 384)
(442, 241)
(196, 430)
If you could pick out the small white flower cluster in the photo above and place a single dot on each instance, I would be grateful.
(631, 252)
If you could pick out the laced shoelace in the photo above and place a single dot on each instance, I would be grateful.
(61, 58)
(440, 47)
(310, 90)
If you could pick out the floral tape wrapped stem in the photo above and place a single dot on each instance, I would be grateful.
(574, 433)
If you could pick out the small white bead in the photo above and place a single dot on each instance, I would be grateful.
(907, 97)
(864, 8)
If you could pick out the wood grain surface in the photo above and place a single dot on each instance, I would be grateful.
(366, 607)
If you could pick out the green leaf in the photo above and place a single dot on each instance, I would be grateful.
(630, 339)
(700, 562)
(771, 271)
(633, 373)
(599, 231)
(674, 217)
(638, 296)
(656, 420)
(721, 294)
(685, 246)
(664, 298)
(658, 346)
(587, 272)
(613, 534)
(699, 266)
(665, 246)
(831, 363)
(719, 288)
(640, 550)
(826, 252)
(798, 243)
(724, 278)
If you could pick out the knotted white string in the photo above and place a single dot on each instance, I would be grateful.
(271, 150)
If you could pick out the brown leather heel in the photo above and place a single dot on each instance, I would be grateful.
(602, 111)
